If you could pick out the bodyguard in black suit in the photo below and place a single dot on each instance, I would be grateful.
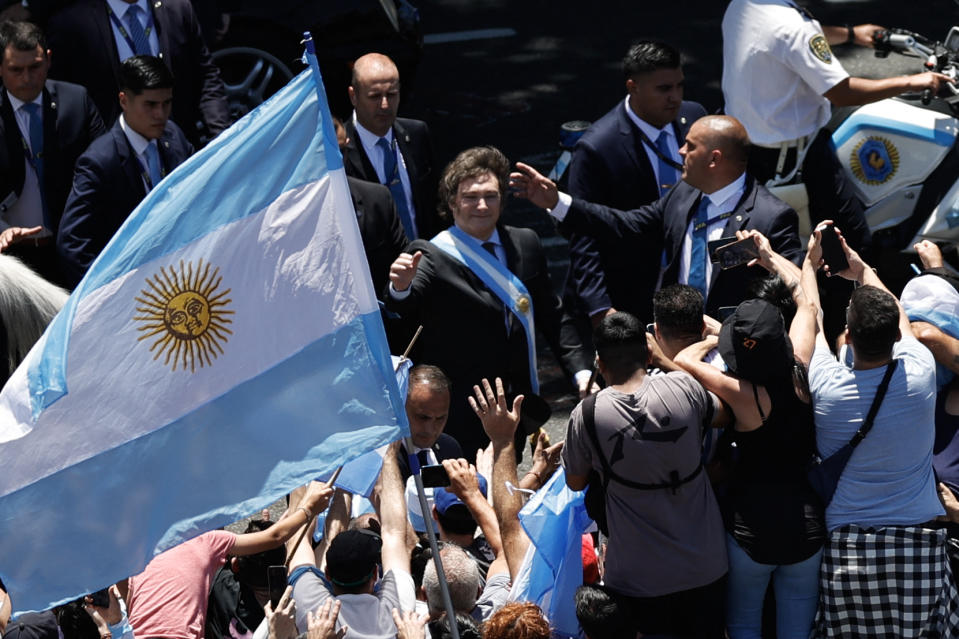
(89, 54)
(68, 122)
(380, 228)
(406, 151)
(121, 166)
(715, 157)
(618, 163)
(468, 331)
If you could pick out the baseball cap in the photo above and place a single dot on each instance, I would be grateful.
(753, 341)
(352, 557)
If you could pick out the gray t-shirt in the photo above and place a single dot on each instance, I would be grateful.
(661, 541)
(368, 616)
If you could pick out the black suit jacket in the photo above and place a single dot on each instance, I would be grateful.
(380, 228)
(668, 218)
(610, 166)
(413, 141)
(464, 329)
(85, 52)
(107, 186)
(445, 448)
(70, 123)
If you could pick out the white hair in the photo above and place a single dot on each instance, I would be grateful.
(462, 577)
(27, 304)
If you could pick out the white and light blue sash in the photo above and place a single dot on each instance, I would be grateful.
(469, 252)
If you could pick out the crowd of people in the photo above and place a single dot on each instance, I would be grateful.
(766, 449)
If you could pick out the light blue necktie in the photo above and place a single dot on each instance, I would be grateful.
(141, 43)
(36, 149)
(667, 174)
(153, 163)
(392, 174)
(697, 254)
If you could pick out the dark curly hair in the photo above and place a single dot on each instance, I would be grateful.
(472, 163)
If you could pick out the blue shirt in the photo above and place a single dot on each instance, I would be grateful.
(889, 479)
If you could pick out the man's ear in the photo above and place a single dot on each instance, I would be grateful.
(352, 94)
(630, 85)
(123, 100)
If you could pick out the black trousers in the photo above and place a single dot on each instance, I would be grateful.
(698, 613)
(831, 195)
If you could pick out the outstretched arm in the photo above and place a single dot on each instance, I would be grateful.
(315, 500)
(500, 425)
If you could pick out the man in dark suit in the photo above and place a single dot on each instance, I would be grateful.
(44, 126)
(715, 199)
(476, 326)
(92, 38)
(121, 166)
(628, 158)
(428, 408)
(380, 227)
(396, 152)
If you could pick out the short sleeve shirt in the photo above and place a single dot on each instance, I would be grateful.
(368, 616)
(660, 541)
(889, 479)
(776, 67)
(169, 598)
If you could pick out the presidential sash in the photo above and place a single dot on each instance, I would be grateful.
(510, 290)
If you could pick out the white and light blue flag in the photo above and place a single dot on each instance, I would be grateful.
(554, 520)
(224, 348)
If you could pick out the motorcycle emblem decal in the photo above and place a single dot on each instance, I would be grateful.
(820, 48)
(185, 316)
(874, 160)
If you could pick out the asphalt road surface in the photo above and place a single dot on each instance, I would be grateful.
(509, 73)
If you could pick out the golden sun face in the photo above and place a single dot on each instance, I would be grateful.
(185, 315)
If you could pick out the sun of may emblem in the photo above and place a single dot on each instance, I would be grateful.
(185, 315)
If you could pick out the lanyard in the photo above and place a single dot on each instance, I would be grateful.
(123, 31)
(655, 149)
(145, 173)
(712, 220)
(395, 178)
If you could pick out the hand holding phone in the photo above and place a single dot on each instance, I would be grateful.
(435, 476)
(737, 253)
(832, 254)
(277, 579)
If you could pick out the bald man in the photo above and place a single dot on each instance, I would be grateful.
(393, 151)
(715, 198)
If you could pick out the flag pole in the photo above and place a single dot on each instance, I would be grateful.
(310, 523)
(414, 463)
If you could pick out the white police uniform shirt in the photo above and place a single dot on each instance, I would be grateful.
(776, 67)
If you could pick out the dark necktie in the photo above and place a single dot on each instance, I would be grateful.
(424, 458)
(36, 150)
(697, 254)
(393, 182)
(667, 174)
(141, 43)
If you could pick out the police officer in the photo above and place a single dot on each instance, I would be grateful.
(780, 78)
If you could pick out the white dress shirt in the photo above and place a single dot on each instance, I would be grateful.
(27, 211)
(653, 134)
(120, 8)
(376, 155)
(722, 201)
(139, 145)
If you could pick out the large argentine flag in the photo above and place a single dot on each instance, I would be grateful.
(223, 349)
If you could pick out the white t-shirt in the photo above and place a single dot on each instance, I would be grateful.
(776, 67)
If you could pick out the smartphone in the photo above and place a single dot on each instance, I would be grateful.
(832, 253)
(101, 598)
(712, 245)
(435, 476)
(277, 579)
(736, 253)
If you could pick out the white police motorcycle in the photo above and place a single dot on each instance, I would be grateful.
(901, 153)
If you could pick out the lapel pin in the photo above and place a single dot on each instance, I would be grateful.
(166, 144)
(682, 120)
(739, 218)
(53, 106)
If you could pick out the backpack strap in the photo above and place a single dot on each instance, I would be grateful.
(589, 422)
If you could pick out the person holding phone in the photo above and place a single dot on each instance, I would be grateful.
(715, 198)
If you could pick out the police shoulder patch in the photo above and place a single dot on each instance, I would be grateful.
(820, 48)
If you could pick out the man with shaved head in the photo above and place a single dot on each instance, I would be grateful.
(393, 151)
(715, 198)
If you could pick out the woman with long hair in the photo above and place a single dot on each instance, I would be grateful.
(773, 519)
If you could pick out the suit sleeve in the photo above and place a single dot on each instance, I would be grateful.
(212, 92)
(549, 316)
(587, 181)
(81, 235)
(783, 235)
(94, 123)
(613, 225)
